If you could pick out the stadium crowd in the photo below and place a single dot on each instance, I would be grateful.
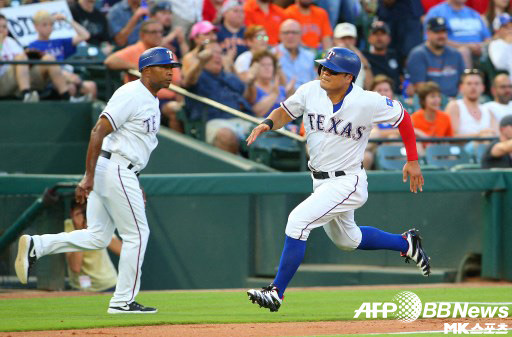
(448, 62)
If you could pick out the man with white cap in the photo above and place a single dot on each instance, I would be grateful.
(500, 49)
(345, 35)
(231, 30)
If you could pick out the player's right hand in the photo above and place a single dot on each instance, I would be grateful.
(83, 189)
(261, 128)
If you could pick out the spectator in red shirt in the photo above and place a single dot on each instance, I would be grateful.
(211, 10)
(316, 30)
(266, 14)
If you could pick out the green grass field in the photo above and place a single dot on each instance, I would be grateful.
(217, 307)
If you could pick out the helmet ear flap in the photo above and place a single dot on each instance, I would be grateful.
(320, 69)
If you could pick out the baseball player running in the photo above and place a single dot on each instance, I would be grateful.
(338, 117)
(120, 145)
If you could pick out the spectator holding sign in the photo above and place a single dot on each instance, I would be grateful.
(59, 48)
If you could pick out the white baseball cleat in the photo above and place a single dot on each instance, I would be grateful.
(132, 308)
(267, 297)
(25, 259)
(416, 251)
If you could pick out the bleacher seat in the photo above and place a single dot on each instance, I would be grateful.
(446, 156)
(390, 157)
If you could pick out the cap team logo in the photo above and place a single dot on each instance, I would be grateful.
(170, 55)
(330, 55)
(408, 306)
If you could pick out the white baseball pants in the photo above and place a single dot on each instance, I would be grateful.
(115, 202)
(332, 206)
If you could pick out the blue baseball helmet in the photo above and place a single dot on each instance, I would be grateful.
(157, 56)
(341, 60)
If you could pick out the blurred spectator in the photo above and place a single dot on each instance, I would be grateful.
(403, 18)
(266, 14)
(345, 35)
(269, 93)
(470, 118)
(500, 49)
(232, 29)
(383, 85)
(5, 3)
(128, 58)
(430, 121)
(466, 30)
(90, 270)
(427, 4)
(211, 10)
(499, 152)
(92, 20)
(14, 78)
(342, 10)
(186, 13)
(207, 78)
(174, 39)
(502, 92)
(435, 61)
(382, 59)
(478, 5)
(297, 62)
(257, 40)
(316, 30)
(202, 33)
(125, 18)
(496, 8)
(60, 49)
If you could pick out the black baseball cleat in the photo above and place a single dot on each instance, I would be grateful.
(132, 308)
(267, 297)
(416, 252)
(25, 259)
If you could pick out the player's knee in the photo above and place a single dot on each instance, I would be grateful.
(296, 228)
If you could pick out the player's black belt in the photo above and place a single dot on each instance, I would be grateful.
(325, 175)
(106, 154)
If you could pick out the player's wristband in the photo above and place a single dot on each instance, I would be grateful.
(268, 122)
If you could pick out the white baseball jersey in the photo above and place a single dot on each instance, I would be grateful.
(337, 139)
(134, 114)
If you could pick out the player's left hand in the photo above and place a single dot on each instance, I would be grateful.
(258, 130)
(412, 169)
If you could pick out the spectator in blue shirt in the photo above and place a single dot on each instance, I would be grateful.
(231, 31)
(59, 48)
(466, 30)
(206, 77)
(125, 18)
(297, 62)
(435, 61)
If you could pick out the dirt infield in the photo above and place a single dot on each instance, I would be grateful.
(262, 329)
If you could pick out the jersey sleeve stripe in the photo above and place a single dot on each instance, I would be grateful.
(110, 119)
(401, 115)
(287, 110)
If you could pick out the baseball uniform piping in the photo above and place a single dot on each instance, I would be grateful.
(110, 119)
(401, 115)
(136, 224)
(288, 111)
(355, 188)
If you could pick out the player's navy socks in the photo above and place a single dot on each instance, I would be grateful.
(291, 258)
(374, 238)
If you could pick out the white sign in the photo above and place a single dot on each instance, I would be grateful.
(21, 26)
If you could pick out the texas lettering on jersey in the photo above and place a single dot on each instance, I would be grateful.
(335, 125)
